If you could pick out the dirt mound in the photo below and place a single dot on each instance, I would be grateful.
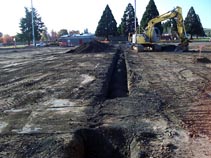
(203, 60)
(91, 47)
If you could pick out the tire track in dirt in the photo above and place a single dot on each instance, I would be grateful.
(196, 117)
(184, 88)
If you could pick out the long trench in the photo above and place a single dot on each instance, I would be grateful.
(99, 142)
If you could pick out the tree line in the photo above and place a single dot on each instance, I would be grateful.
(107, 25)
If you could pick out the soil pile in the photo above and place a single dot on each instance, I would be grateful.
(91, 47)
(203, 60)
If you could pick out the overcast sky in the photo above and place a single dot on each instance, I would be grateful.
(82, 14)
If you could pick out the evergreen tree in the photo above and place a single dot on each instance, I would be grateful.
(120, 29)
(169, 26)
(201, 31)
(150, 13)
(128, 22)
(86, 31)
(44, 35)
(107, 24)
(53, 36)
(26, 26)
(193, 24)
(62, 32)
(209, 34)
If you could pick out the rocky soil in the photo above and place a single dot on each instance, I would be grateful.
(101, 100)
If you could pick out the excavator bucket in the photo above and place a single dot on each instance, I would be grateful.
(183, 46)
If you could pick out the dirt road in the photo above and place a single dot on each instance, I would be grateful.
(104, 103)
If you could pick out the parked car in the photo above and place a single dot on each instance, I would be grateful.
(41, 44)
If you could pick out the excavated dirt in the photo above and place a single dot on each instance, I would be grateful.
(103, 101)
(203, 60)
(91, 47)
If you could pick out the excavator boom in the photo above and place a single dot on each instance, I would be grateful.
(177, 12)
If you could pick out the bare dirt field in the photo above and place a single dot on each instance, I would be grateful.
(105, 101)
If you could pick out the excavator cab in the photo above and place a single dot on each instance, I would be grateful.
(143, 38)
(143, 42)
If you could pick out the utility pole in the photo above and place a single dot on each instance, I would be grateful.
(33, 37)
(135, 19)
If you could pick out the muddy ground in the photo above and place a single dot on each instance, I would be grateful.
(104, 101)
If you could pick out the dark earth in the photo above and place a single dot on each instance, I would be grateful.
(105, 101)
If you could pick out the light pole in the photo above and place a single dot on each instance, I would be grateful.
(135, 18)
(33, 37)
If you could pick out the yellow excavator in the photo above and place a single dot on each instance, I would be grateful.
(151, 35)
